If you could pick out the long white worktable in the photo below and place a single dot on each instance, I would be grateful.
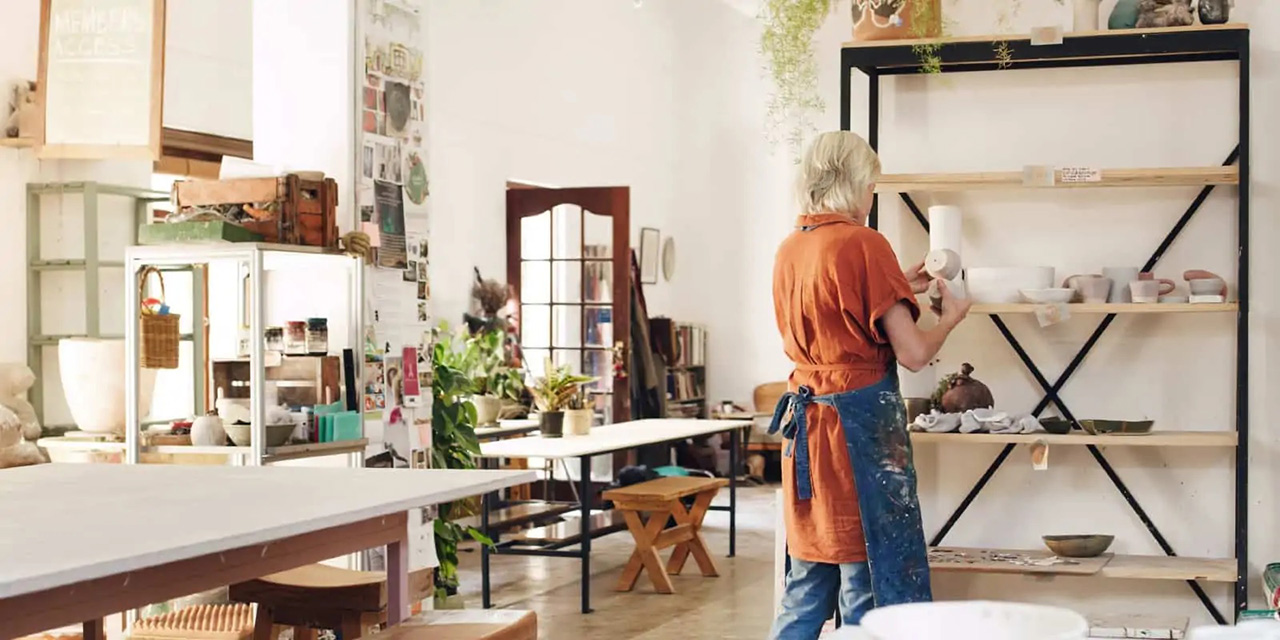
(621, 436)
(83, 541)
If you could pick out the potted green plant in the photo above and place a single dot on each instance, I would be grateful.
(488, 372)
(453, 446)
(552, 393)
(578, 414)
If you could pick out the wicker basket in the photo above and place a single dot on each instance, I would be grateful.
(159, 333)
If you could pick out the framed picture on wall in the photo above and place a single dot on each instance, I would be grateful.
(649, 247)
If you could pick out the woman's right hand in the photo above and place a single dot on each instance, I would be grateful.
(954, 309)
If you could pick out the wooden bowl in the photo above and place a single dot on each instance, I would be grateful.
(1079, 546)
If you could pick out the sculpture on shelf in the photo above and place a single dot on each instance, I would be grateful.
(23, 111)
(958, 392)
(1165, 13)
(19, 428)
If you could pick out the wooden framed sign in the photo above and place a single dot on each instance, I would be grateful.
(101, 87)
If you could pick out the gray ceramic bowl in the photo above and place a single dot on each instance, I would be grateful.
(1079, 546)
(277, 434)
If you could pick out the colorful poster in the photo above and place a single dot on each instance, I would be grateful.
(389, 208)
(412, 388)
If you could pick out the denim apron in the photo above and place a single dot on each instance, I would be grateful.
(873, 419)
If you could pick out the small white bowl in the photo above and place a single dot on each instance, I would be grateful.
(1047, 296)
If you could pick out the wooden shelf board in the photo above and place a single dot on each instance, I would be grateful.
(1171, 568)
(1080, 307)
(1159, 177)
(1153, 439)
(1018, 37)
(17, 143)
(274, 454)
(1105, 566)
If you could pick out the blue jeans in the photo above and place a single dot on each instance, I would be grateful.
(812, 593)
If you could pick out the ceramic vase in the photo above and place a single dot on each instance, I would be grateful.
(487, 409)
(551, 424)
(893, 19)
(207, 431)
(577, 422)
(93, 382)
(1214, 11)
(1124, 15)
(1086, 14)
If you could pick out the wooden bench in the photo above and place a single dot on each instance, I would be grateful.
(471, 624)
(661, 499)
(319, 596)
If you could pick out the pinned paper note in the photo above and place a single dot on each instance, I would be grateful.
(1040, 455)
(1041, 36)
(1050, 314)
(1076, 175)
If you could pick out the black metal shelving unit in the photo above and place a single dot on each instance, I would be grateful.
(1228, 42)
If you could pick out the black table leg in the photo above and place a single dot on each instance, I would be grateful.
(584, 497)
(486, 502)
(735, 438)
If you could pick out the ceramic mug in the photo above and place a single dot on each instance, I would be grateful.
(1164, 282)
(1092, 287)
(1145, 291)
(1120, 279)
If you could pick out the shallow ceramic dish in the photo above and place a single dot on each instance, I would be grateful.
(277, 434)
(1048, 296)
(1118, 427)
(1057, 426)
(995, 285)
(1079, 546)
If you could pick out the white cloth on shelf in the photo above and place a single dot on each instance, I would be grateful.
(976, 421)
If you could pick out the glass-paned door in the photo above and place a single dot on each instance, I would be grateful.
(566, 269)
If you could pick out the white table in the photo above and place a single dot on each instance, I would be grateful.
(606, 439)
(83, 541)
(506, 428)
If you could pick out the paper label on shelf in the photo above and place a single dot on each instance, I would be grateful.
(1050, 314)
(1076, 175)
(1034, 175)
(1046, 35)
(1040, 455)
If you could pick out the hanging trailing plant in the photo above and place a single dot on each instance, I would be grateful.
(786, 45)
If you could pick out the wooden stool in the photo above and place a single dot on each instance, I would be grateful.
(201, 622)
(661, 499)
(319, 596)
(479, 624)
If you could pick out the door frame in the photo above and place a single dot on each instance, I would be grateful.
(612, 202)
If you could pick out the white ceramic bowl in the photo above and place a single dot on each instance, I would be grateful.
(974, 620)
(995, 285)
(1206, 286)
(1048, 296)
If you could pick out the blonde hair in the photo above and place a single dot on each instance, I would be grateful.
(835, 172)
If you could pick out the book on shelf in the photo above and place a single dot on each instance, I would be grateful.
(684, 385)
(681, 345)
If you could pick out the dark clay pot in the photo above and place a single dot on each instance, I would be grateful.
(1215, 11)
(551, 424)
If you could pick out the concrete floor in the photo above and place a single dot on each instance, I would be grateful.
(737, 604)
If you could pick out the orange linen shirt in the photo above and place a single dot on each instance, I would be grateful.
(831, 286)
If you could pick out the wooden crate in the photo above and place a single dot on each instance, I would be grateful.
(305, 210)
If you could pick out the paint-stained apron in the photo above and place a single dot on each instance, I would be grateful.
(874, 422)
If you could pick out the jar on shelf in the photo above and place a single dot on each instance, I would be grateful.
(275, 338)
(295, 338)
(318, 336)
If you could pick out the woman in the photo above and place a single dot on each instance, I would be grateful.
(847, 314)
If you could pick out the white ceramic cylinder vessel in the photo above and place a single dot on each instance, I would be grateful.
(1086, 15)
(93, 383)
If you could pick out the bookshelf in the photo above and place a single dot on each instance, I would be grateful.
(682, 347)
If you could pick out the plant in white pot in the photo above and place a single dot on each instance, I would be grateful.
(578, 415)
(552, 394)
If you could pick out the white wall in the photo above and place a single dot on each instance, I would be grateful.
(589, 93)
(208, 74)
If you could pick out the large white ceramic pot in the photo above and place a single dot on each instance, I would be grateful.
(93, 382)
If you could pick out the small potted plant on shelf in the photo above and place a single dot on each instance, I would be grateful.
(552, 394)
(578, 415)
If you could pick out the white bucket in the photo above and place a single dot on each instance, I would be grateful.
(975, 620)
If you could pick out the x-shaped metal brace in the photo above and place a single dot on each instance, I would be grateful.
(1052, 396)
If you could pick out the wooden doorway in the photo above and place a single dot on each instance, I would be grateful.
(568, 258)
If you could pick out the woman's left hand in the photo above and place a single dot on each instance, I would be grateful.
(917, 278)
